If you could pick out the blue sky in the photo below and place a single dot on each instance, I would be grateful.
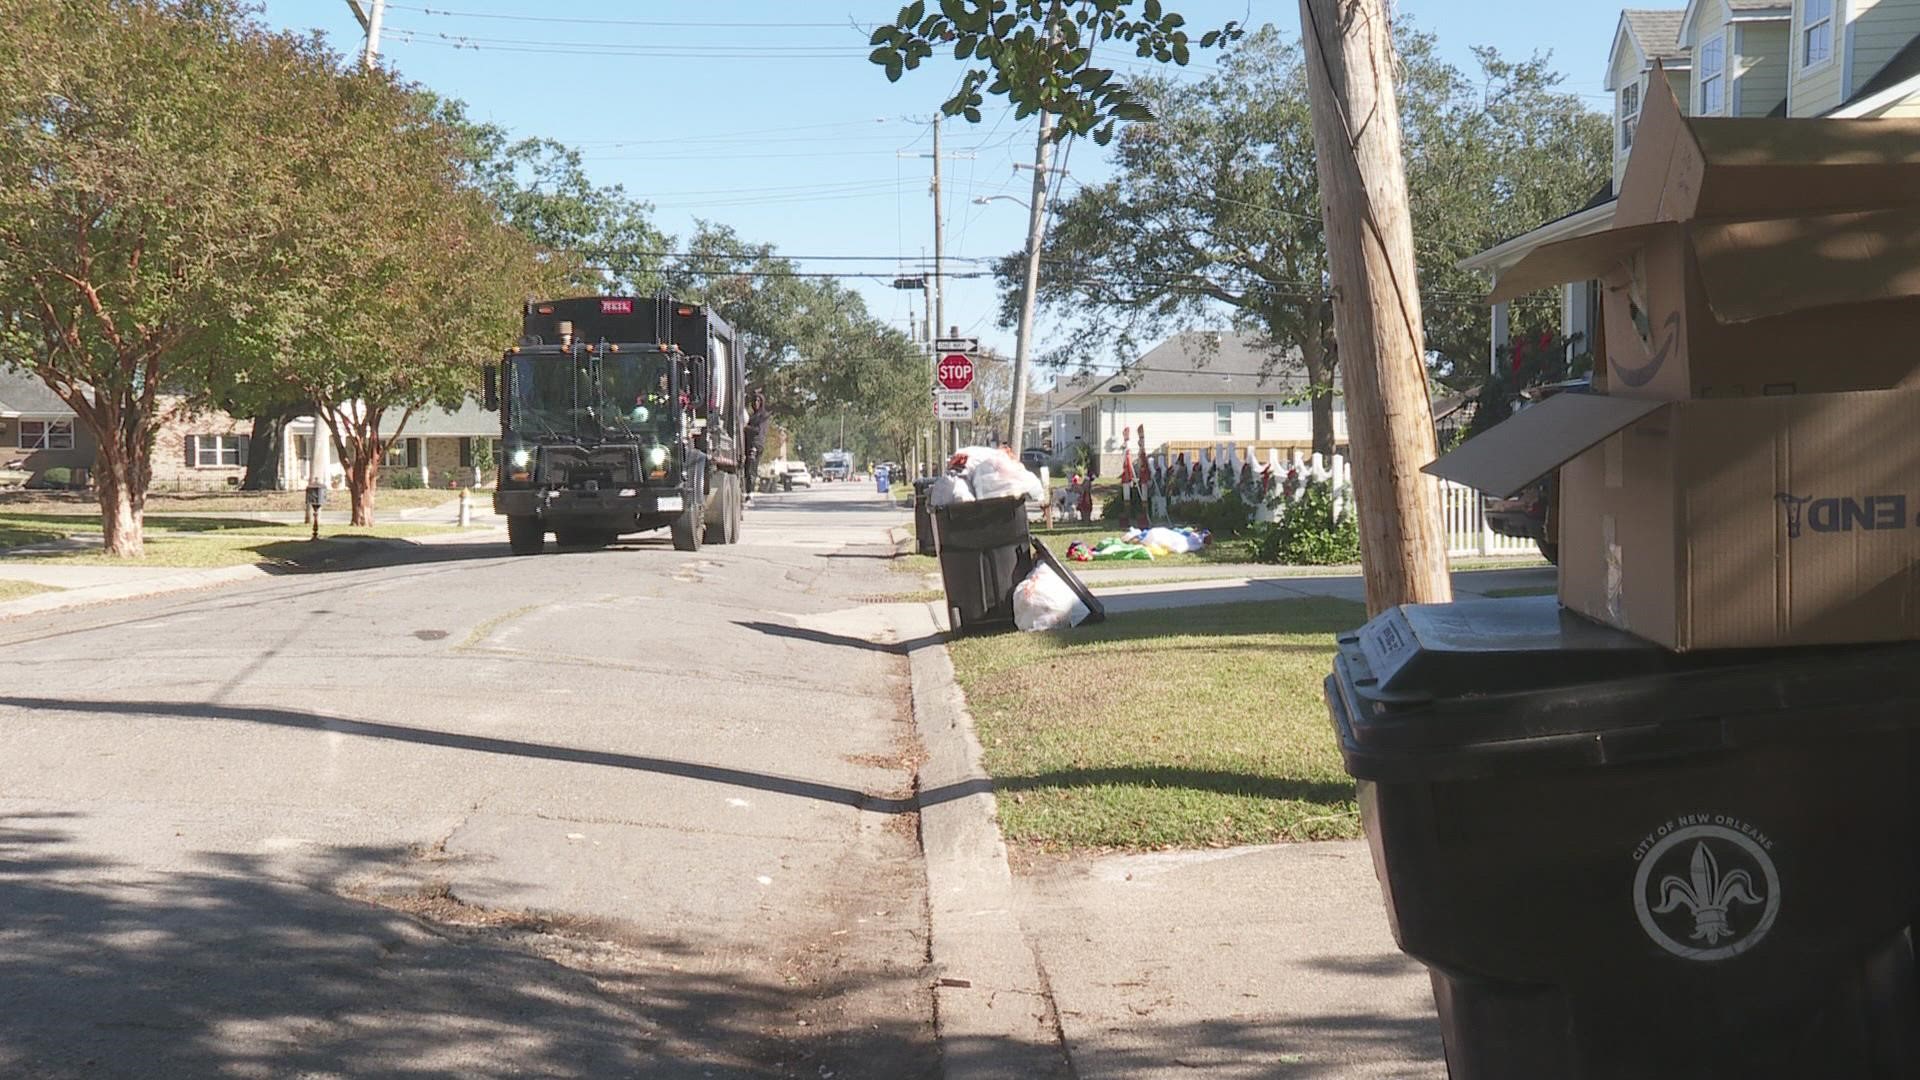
(765, 115)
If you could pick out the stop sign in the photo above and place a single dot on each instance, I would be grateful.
(955, 371)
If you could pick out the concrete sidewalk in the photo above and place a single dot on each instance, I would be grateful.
(1251, 962)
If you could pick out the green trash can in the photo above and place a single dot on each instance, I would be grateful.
(923, 517)
(1621, 862)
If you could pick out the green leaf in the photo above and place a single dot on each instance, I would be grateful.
(972, 114)
(883, 57)
(1209, 39)
(1104, 134)
(894, 66)
(1131, 111)
(913, 13)
(1180, 53)
(963, 48)
(881, 36)
(1151, 11)
(954, 9)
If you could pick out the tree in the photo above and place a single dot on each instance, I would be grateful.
(400, 280)
(1216, 207)
(595, 238)
(144, 177)
(1488, 158)
(1039, 53)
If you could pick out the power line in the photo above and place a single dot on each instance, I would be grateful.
(660, 52)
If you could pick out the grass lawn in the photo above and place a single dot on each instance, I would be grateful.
(14, 590)
(1194, 727)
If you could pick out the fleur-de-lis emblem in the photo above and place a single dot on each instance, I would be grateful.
(1707, 894)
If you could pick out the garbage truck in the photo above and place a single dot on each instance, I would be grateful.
(619, 415)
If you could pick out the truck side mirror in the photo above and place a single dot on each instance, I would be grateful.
(490, 395)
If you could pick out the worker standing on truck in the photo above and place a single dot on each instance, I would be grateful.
(756, 440)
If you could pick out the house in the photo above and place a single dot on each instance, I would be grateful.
(208, 450)
(441, 447)
(1843, 59)
(38, 432)
(1194, 391)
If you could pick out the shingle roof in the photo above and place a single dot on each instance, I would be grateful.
(1759, 5)
(1657, 32)
(1204, 362)
(22, 394)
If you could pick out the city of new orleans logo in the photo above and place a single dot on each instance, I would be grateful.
(1706, 888)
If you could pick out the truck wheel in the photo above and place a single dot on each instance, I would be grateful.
(690, 526)
(525, 536)
(720, 518)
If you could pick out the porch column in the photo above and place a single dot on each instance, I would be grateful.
(1500, 335)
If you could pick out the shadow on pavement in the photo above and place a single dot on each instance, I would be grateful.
(823, 637)
(226, 970)
(373, 729)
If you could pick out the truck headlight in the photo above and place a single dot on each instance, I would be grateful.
(521, 458)
(657, 456)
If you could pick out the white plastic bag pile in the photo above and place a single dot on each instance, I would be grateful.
(1046, 602)
(984, 473)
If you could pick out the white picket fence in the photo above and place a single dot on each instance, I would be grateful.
(1467, 532)
(1463, 508)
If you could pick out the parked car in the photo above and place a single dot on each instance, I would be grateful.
(1033, 459)
(798, 475)
(1533, 513)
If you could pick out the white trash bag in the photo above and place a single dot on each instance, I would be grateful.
(994, 475)
(1045, 602)
(949, 489)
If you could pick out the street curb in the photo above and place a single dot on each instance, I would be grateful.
(992, 1010)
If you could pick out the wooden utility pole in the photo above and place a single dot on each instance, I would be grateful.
(1376, 305)
(369, 17)
(1030, 287)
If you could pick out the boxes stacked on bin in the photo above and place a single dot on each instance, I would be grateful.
(1746, 473)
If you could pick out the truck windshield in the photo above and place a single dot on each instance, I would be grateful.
(594, 398)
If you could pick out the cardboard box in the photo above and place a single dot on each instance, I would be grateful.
(1750, 522)
(1753, 256)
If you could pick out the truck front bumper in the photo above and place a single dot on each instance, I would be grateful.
(557, 505)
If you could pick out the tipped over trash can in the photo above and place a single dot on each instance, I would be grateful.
(984, 552)
(1622, 862)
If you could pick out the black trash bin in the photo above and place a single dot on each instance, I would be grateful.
(1621, 862)
(923, 516)
(984, 552)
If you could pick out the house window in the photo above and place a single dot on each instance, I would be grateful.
(1629, 113)
(215, 451)
(1223, 418)
(45, 435)
(1713, 77)
(1270, 411)
(402, 454)
(1816, 33)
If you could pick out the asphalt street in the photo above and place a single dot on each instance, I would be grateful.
(603, 813)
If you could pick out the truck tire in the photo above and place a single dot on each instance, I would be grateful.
(720, 515)
(724, 527)
(525, 536)
(691, 525)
